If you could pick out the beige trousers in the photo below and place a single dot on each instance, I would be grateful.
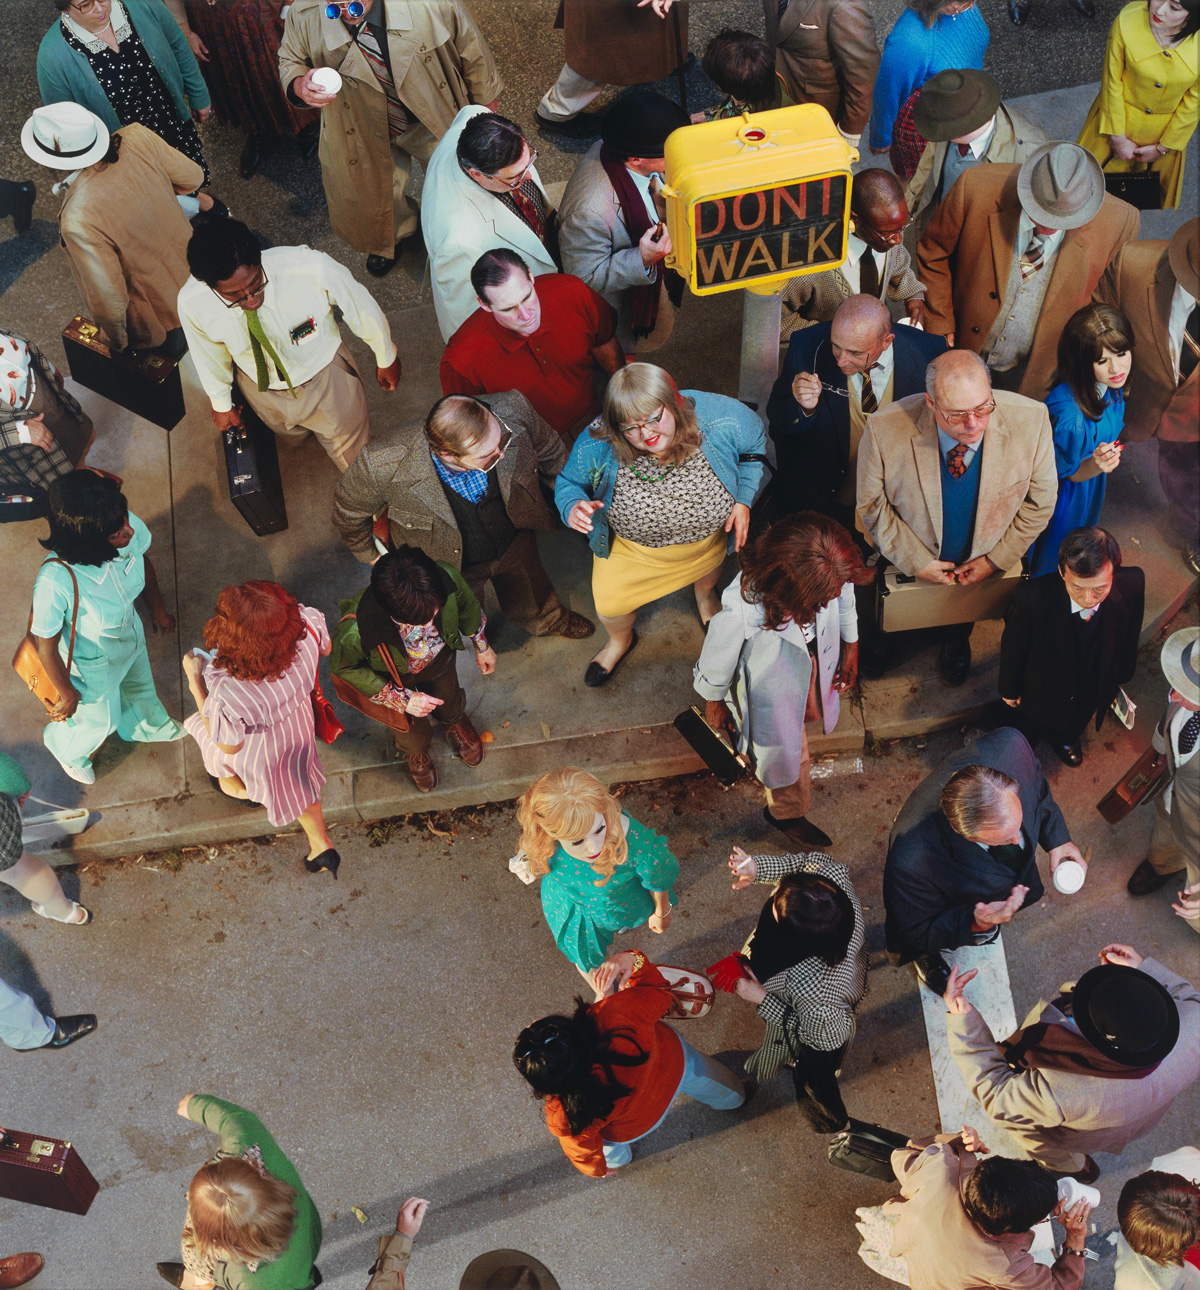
(792, 802)
(417, 142)
(1167, 856)
(332, 405)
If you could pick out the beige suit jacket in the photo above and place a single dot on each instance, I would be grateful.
(900, 482)
(400, 475)
(967, 250)
(1054, 1112)
(1139, 282)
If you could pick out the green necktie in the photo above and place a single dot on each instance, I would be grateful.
(259, 343)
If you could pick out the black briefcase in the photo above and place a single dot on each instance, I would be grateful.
(252, 465)
(145, 383)
(866, 1149)
(717, 753)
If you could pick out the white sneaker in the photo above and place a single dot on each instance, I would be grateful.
(83, 774)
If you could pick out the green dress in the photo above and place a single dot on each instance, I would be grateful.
(242, 1134)
(585, 918)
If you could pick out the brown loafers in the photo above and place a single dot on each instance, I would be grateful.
(17, 1269)
(577, 627)
(464, 741)
(423, 772)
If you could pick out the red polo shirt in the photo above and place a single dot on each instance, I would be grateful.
(552, 368)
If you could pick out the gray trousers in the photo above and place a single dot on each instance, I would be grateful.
(21, 1024)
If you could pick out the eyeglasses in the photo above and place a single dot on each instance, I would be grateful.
(958, 418)
(892, 238)
(649, 426)
(353, 10)
(520, 179)
(501, 448)
(86, 6)
(241, 300)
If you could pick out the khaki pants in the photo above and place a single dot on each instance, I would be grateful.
(1167, 856)
(332, 405)
(416, 142)
(439, 679)
(522, 585)
(792, 802)
(569, 95)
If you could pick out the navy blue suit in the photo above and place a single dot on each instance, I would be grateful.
(813, 450)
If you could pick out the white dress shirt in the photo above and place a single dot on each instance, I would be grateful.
(1182, 304)
(856, 248)
(979, 145)
(303, 286)
(1049, 246)
(881, 374)
(1084, 612)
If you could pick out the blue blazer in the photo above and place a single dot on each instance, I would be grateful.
(728, 429)
(814, 448)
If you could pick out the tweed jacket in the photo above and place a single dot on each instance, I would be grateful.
(1013, 139)
(942, 1246)
(1051, 1112)
(12, 418)
(900, 483)
(1185, 815)
(440, 62)
(933, 876)
(967, 250)
(1140, 283)
(827, 53)
(400, 475)
(816, 297)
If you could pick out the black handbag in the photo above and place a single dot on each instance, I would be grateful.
(717, 753)
(866, 1149)
(1140, 188)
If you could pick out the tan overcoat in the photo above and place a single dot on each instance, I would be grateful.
(1140, 283)
(900, 482)
(967, 250)
(440, 61)
(126, 237)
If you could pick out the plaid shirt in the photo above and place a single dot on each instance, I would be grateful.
(470, 484)
(23, 466)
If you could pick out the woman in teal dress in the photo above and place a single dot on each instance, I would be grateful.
(602, 871)
(101, 549)
(1087, 411)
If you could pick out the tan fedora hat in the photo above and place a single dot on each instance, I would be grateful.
(64, 136)
(507, 1270)
(1061, 186)
(1183, 254)
(1180, 662)
(955, 102)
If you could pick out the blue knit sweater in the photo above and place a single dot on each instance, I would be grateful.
(913, 53)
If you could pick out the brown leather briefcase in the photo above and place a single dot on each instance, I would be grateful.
(1142, 782)
(45, 1171)
(142, 381)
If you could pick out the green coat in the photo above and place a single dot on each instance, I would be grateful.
(357, 640)
(240, 1130)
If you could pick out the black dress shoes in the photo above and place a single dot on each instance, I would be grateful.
(1085, 7)
(1068, 754)
(170, 1272)
(874, 655)
(251, 155)
(309, 139)
(800, 829)
(68, 1029)
(933, 972)
(584, 126)
(1018, 11)
(596, 676)
(379, 266)
(954, 661)
(1145, 879)
(17, 200)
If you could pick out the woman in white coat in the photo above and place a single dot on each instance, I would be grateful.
(792, 601)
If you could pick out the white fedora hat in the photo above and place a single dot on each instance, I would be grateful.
(64, 136)
(1180, 662)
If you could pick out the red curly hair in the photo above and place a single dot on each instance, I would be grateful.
(255, 630)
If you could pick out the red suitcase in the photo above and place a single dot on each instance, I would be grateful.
(45, 1171)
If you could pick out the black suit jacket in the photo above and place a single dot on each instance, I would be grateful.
(933, 876)
(813, 449)
(1037, 650)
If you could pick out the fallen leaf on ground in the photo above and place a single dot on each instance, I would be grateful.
(545, 731)
(354, 1209)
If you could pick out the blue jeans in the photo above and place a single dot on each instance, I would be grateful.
(705, 1080)
(21, 1024)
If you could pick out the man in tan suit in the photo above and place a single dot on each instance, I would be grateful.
(959, 112)
(1156, 284)
(407, 68)
(954, 485)
(1012, 252)
(1094, 1070)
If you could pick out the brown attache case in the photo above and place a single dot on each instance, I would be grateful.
(904, 602)
(1142, 782)
(146, 383)
(45, 1171)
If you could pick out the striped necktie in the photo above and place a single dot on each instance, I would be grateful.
(259, 343)
(868, 400)
(1031, 261)
(1189, 349)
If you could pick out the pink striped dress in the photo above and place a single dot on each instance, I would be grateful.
(273, 722)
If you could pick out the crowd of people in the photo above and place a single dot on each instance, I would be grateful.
(951, 401)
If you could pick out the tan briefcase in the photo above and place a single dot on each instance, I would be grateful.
(904, 602)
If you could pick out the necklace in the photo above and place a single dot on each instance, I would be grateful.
(652, 479)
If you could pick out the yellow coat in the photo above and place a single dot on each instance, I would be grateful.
(1147, 93)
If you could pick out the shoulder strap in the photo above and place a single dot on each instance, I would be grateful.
(383, 654)
(74, 608)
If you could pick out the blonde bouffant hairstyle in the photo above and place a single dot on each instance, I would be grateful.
(562, 807)
(238, 1214)
(635, 392)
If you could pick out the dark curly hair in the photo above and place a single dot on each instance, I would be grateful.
(86, 509)
(408, 584)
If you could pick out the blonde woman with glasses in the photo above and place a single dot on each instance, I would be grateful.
(661, 485)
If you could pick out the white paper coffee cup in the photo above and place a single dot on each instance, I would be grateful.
(327, 80)
(1069, 876)
(1071, 1191)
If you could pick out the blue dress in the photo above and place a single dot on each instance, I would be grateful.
(585, 918)
(1075, 439)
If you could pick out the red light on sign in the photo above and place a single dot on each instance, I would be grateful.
(754, 135)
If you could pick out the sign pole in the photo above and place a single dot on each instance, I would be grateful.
(761, 315)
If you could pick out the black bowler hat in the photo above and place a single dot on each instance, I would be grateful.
(638, 123)
(954, 103)
(1125, 1014)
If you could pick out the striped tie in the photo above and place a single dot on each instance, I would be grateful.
(868, 400)
(259, 343)
(1031, 261)
(1189, 349)
(954, 461)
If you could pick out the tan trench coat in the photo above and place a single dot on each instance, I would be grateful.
(441, 63)
(126, 237)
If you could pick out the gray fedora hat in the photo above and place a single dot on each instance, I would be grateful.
(1180, 662)
(1061, 186)
(955, 102)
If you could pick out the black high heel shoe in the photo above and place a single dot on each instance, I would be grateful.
(328, 859)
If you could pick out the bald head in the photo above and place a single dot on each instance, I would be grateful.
(875, 191)
(958, 382)
(861, 330)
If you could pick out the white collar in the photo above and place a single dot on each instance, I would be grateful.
(1025, 233)
(979, 146)
(118, 20)
(855, 248)
(881, 372)
(1085, 614)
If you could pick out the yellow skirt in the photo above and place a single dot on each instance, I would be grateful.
(634, 575)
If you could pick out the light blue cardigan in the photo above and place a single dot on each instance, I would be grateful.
(728, 429)
(66, 76)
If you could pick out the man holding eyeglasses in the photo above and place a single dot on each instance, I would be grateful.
(264, 321)
(469, 488)
(954, 486)
(406, 70)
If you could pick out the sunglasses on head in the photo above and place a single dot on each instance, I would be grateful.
(353, 10)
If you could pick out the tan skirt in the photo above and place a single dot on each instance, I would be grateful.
(635, 575)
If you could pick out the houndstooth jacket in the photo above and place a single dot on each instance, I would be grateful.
(816, 298)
